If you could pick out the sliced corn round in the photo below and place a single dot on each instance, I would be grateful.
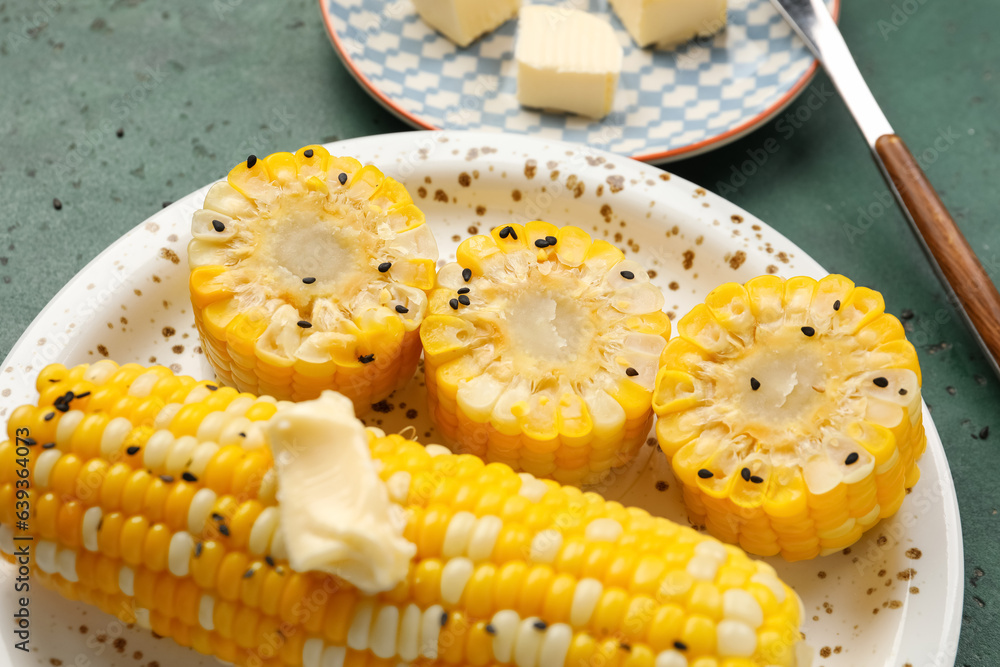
(541, 349)
(791, 414)
(308, 272)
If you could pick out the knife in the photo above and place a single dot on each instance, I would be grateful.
(969, 286)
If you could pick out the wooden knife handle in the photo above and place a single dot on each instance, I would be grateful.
(955, 258)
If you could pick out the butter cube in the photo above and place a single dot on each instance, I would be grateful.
(462, 21)
(667, 23)
(567, 60)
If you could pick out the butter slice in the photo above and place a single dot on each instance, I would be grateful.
(668, 23)
(567, 60)
(462, 21)
(335, 511)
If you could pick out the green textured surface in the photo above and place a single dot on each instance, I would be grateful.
(196, 86)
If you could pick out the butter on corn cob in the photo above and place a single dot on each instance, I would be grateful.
(308, 272)
(139, 511)
(541, 348)
(791, 413)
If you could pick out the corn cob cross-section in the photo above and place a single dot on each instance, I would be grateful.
(791, 413)
(139, 509)
(308, 273)
(541, 350)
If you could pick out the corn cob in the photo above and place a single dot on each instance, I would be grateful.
(509, 569)
(308, 272)
(791, 413)
(541, 349)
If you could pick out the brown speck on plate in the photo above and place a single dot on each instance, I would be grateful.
(168, 254)
(914, 553)
(441, 195)
(516, 195)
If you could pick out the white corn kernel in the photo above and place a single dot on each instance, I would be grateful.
(545, 546)
(735, 639)
(458, 534)
(454, 576)
(88, 533)
(484, 537)
(585, 598)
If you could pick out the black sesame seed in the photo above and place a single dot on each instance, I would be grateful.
(754, 384)
(540, 625)
(83, 395)
(464, 300)
(54, 380)
(984, 433)
(661, 486)
(490, 630)
(48, 445)
(224, 529)
(464, 290)
(167, 478)
(852, 458)
(60, 406)
(308, 153)
(541, 243)
(309, 281)
(454, 304)
(704, 473)
(881, 382)
(342, 178)
(505, 232)
(745, 473)
(384, 266)
(551, 240)
(680, 646)
(305, 324)
(903, 392)
(242, 434)
(218, 225)
(249, 573)
(466, 275)
(197, 549)
(217, 517)
(56, 204)
(120, 132)
(269, 560)
(401, 309)
(757, 480)
(836, 304)
(631, 372)
(625, 647)
(50, 416)
(627, 275)
(188, 476)
(809, 331)
(133, 450)
(366, 358)
(251, 161)
(444, 618)
(212, 387)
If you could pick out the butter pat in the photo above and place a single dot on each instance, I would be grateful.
(462, 21)
(670, 22)
(335, 511)
(567, 60)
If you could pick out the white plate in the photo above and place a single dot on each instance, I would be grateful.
(132, 304)
(670, 104)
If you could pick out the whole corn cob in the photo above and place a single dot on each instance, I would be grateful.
(791, 413)
(139, 510)
(308, 273)
(541, 349)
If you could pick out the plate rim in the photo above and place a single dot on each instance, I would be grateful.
(954, 600)
(654, 157)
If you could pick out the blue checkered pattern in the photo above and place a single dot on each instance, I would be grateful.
(666, 100)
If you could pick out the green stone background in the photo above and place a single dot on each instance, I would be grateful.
(261, 76)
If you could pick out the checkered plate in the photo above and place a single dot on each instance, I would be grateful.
(670, 104)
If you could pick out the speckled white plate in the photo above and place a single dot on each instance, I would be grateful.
(894, 599)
